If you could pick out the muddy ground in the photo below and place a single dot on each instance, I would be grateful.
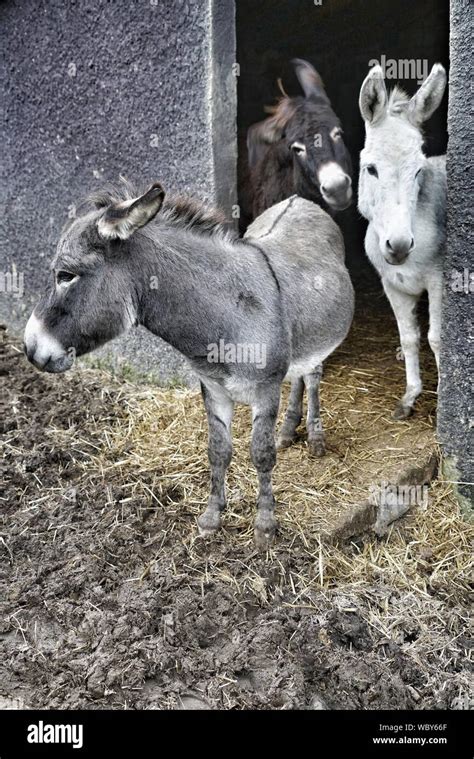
(110, 601)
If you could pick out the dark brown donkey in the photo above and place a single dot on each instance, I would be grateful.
(298, 150)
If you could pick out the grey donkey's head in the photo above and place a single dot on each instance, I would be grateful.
(90, 299)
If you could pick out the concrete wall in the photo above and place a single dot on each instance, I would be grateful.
(94, 89)
(456, 398)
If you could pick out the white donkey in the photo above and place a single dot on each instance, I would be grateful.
(402, 194)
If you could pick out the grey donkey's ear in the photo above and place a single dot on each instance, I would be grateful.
(425, 102)
(373, 96)
(121, 220)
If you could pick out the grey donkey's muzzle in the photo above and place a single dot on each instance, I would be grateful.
(43, 350)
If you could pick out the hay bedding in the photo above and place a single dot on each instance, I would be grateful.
(111, 600)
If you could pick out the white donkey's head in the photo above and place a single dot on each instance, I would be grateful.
(392, 161)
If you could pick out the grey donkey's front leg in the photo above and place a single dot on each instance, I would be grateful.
(314, 425)
(263, 451)
(219, 410)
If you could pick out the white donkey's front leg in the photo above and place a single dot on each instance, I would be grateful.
(435, 296)
(404, 308)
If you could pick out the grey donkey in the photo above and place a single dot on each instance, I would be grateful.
(402, 193)
(277, 302)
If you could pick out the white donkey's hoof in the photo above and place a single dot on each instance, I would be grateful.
(402, 412)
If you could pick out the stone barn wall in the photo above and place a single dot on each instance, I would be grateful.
(95, 89)
(456, 396)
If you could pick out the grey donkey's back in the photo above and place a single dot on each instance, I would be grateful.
(305, 250)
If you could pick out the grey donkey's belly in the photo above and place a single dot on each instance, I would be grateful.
(305, 249)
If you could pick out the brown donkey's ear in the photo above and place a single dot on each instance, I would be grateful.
(309, 79)
(121, 220)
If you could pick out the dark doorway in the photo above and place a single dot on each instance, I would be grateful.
(340, 38)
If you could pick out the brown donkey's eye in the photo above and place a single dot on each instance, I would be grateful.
(298, 147)
(64, 276)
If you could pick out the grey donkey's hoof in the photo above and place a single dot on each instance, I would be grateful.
(208, 523)
(316, 447)
(265, 528)
(402, 412)
(284, 442)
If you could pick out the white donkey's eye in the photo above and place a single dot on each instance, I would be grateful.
(298, 148)
(372, 170)
(64, 277)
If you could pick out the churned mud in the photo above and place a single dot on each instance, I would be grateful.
(110, 599)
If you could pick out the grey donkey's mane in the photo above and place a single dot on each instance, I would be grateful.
(177, 210)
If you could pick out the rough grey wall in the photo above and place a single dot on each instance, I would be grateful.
(456, 399)
(94, 89)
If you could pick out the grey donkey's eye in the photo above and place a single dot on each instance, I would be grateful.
(64, 276)
(372, 170)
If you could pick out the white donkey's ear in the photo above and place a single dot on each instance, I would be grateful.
(121, 220)
(373, 96)
(425, 102)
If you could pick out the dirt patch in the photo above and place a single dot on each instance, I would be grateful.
(111, 600)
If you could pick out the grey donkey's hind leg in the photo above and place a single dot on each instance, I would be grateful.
(293, 414)
(314, 426)
(263, 451)
(219, 410)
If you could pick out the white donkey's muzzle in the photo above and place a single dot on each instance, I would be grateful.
(43, 350)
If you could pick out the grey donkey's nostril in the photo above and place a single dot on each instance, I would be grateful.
(412, 244)
(387, 243)
(30, 350)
